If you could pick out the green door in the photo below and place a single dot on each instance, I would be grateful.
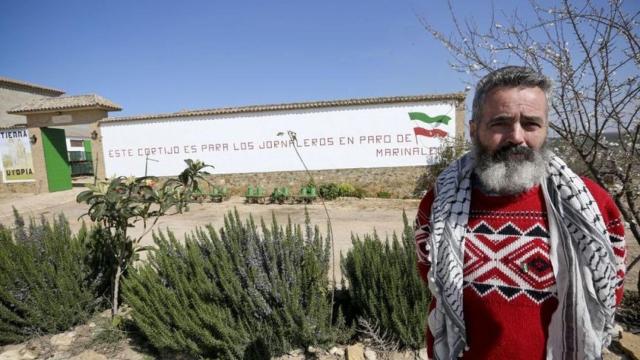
(55, 159)
(87, 149)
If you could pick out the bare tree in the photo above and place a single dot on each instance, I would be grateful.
(593, 54)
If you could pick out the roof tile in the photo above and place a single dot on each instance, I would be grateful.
(294, 106)
(76, 102)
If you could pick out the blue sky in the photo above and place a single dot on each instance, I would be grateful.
(163, 56)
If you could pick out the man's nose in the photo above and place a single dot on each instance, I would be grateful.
(516, 134)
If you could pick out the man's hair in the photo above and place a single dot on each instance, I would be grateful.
(508, 76)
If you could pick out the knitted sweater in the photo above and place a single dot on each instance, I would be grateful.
(509, 290)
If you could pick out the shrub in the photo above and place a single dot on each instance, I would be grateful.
(239, 293)
(329, 191)
(187, 185)
(346, 189)
(115, 207)
(385, 286)
(359, 193)
(44, 286)
(118, 204)
(450, 150)
(384, 194)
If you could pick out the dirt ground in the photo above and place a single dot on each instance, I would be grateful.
(348, 216)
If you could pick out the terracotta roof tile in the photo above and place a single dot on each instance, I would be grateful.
(295, 106)
(77, 102)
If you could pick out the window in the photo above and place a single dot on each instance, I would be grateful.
(76, 143)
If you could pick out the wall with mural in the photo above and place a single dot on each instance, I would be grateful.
(372, 136)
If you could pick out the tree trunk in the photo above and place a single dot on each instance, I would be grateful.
(116, 290)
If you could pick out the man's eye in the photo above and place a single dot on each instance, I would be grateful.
(499, 123)
(532, 125)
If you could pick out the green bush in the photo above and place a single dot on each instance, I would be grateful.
(385, 287)
(240, 293)
(118, 204)
(44, 286)
(449, 150)
(384, 194)
(359, 193)
(329, 191)
(346, 189)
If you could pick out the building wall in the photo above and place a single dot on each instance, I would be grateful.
(77, 117)
(18, 187)
(331, 137)
(36, 121)
(39, 168)
(11, 97)
(399, 181)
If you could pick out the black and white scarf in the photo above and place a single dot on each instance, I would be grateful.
(581, 254)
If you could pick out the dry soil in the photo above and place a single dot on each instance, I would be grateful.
(348, 216)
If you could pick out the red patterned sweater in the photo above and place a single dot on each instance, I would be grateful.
(509, 288)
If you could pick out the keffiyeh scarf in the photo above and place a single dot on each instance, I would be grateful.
(581, 254)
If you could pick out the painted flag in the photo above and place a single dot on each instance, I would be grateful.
(430, 132)
(422, 121)
(436, 120)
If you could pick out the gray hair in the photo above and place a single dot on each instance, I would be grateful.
(508, 76)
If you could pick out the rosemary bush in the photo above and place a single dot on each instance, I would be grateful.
(385, 287)
(233, 294)
(44, 284)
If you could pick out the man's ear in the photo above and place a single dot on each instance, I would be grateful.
(472, 128)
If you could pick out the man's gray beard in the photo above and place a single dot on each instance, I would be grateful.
(501, 176)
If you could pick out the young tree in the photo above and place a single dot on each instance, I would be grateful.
(187, 183)
(117, 205)
(592, 52)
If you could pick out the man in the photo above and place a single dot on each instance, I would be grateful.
(524, 259)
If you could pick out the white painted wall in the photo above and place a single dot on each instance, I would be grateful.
(328, 138)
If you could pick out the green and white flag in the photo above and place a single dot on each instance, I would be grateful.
(427, 126)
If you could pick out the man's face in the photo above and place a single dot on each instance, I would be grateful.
(509, 140)
(512, 116)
